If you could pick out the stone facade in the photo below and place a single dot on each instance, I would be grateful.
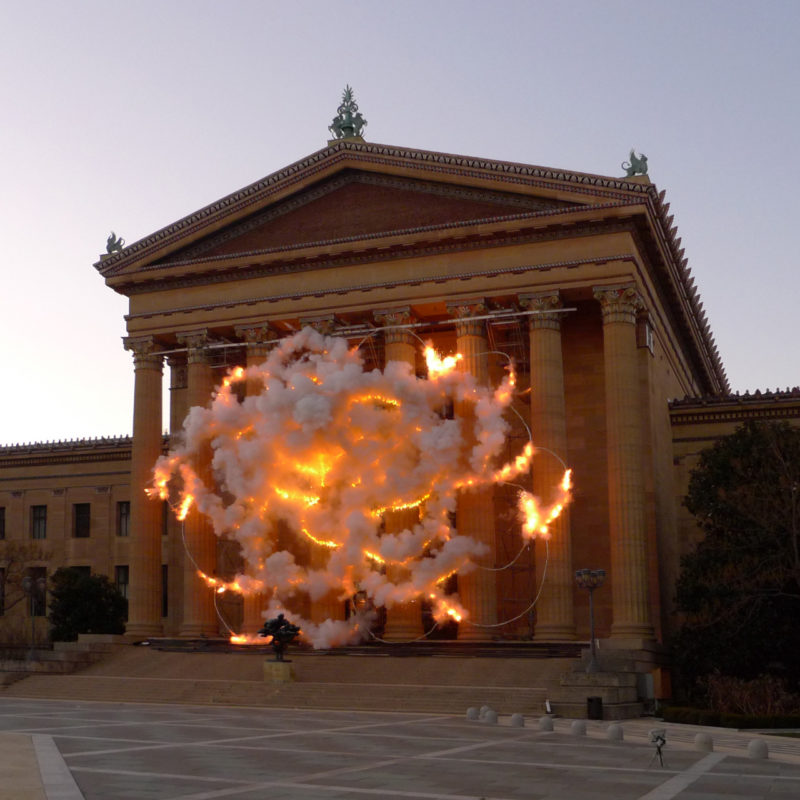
(580, 279)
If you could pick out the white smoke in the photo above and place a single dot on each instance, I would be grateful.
(324, 449)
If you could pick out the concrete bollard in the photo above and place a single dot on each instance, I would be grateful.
(757, 748)
(473, 713)
(490, 717)
(614, 733)
(517, 721)
(578, 727)
(704, 743)
(545, 724)
(483, 711)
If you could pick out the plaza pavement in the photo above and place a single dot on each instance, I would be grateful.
(107, 751)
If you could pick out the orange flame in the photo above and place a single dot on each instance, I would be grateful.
(438, 366)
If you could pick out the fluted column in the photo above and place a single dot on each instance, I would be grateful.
(475, 509)
(175, 551)
(555, 621)
(258, 340)
(403, 622)
(626, 495)
(199, 617)
(144, 592)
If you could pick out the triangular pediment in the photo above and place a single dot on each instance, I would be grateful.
(353, 191)
(358, 205)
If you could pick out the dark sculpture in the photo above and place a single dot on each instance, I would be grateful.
(348, 122)
(636, 166)
(282, 632)
(114, 243)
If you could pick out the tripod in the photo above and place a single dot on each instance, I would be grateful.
(659, 739)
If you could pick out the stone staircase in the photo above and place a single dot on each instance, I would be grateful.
(437, 682)
(63, 658)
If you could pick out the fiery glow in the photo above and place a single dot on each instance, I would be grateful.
(321, 453)
(185, 505)
(537, 520)
(521, 463)
(438, 366)
(322, 542)
(400, 506)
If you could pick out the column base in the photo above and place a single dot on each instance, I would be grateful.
(469, 633)
(142, 630)
(197, 631)
(632, 630)
(554, 633)
(403, 623)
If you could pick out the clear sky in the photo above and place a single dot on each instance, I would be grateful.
(131, 115)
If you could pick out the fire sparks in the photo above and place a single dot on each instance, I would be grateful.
(438, 366)
(321, 453)
(185, 505)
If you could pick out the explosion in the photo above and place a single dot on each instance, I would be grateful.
(324, 449)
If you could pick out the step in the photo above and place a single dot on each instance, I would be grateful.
(376, 697)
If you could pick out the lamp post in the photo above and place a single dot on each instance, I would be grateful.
(591, 579)
(32, 589)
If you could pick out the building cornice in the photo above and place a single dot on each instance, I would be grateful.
(397, 282)
(606, 192)
(736, 407)
(362, 153)
(71, 451)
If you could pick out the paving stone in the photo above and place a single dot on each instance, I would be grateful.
(122, 752)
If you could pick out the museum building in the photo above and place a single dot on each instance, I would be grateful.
(579, 278)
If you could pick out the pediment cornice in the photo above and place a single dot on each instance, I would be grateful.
(340, 155)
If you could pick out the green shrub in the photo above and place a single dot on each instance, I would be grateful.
(81, 603)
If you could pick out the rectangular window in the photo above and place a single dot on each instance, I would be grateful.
(124, 518)
(38, 522)
(38, 597)
(2, 522)
(81, 520)
(2, 590)
(164, 590)
(121, 579)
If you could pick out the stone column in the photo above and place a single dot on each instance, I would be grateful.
(403, 622)
(199, 617)
(475, 509)
(257, 339)
(626, 495)
(175, 558)
(555, 620)
(178, 384)
(144, 610)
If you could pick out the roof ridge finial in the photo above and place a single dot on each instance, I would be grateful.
(348, 122)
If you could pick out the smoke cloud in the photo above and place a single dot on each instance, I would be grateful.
(323, 449)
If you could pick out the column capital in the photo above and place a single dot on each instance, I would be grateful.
(465, 312)
(618, 303)
(256, 333)
(393, 319)
(178, 371)
(544, 303)
(323, 324)
(196, 343)
(144, 352)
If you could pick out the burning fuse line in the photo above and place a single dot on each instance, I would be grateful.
(324, 449)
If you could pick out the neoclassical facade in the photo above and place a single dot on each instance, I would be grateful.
(580, 279)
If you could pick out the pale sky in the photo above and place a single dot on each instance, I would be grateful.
(131, 115)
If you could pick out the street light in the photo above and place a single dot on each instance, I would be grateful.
(32, 589)
(591, 579)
